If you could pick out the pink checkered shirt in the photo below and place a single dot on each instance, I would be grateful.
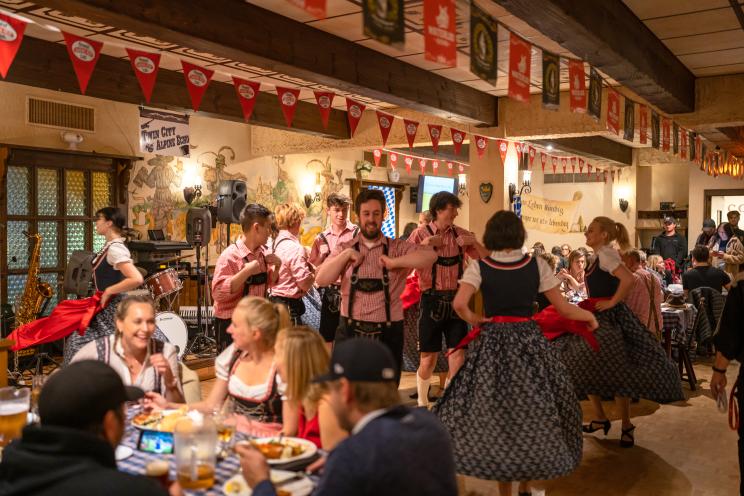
(638, 298)
(229, 263)
(321, 249)
(295, 266)
(370, 307)
(446, 276)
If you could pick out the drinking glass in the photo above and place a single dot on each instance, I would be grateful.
(36, 385)
(195, 442)
(14, 406)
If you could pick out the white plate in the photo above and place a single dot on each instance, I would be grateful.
(301, 487)
(310, 449)
(151, 427)
(123, 452)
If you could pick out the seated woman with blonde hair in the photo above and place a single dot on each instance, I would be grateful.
(301, 355)
(137, 357)
(246, 370)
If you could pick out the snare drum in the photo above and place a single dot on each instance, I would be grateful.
(163, 284)
(174, 329)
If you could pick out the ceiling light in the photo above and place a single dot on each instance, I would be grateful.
(549, 148)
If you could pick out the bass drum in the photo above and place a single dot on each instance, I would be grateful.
(174, 328)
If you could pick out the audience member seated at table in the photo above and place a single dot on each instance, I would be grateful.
(392, 449)
(645, 296)
(246, 371)
(134, 354)
(537, 249)
(72, 451)
(301, 355)
(541, 300)
(702, 274)
(573, 277)
(658, 268)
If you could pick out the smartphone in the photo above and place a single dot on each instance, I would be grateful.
(155, 442)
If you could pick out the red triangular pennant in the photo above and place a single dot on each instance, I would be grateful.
(554, 163)
(324, 99)
(393, 159)
(385, 122)
(435, 165)
(564, 164)
(11, 35)
(197, 80)
(411, 128)
(354, 111)
(581, 166)
(247, 92)
(409, 163)
(377, 154)
(543, 161)
(612, 175)
(532, 154)
(435, 132)
(450, 167)
(84, 54)
(457, 138)
(481, 142)
(288, 98)
(422, 165)
(573, 165)
(503, 148)
(145, 66)
(588, 168)
(461, 168)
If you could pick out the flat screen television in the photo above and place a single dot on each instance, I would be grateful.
(428, 185)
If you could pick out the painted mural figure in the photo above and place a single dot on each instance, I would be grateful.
(161, 177)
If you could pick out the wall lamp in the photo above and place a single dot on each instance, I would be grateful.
(462, 184)
(190, 193)
(525, 188)
(623, 203)
(315, 197)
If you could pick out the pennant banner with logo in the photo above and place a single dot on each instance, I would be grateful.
(11, 35)
(354, 111)
(384, 21)
(288, 98)
(594, 107)
(145, 66)
(683, 143)
(520, 58)
(411, 128)
(247, 92)
(481, 143)
(435, 132)
(577, 86)
(613, 111)
(164, 133)
(84, 54)
(629, 121)
(324, 99)
(666, 133)
(551, 81)
(197, 79)
(483, 44)
(457, 139)
(409, 162)
(377, 155)
(675, 138)
(422, 165)
(532, 153)
(655, 130)
(385, 123)
(440, 32)
(503, 148)
(543, 161)
(643, 124)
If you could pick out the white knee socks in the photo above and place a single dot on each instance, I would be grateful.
(422, 387)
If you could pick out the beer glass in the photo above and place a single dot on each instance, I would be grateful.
(195, 440)
(14, 406)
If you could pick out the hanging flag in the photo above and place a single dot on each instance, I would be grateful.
(577, 86)
(554, 163)
(84, 54)
(588, 168)
(450, 167)
(551, 81)
(520, 57)
(435, 132)
(316, 8)
(409, 163)
(384, 21)
(11, 35)
(604, 174)
(385, 123)
(288, 98)
(655, 130)
(564, 164)
(422, 165)
(377, 154)
(324, 99)
(145, 67)
(461, 168)
(543, 161)
(532, 152)
(393, 159)
(629, 125)
(612, 175)
(675, 138)
(503, 148)
(698, 148)
(247, 93)
(618, 175)
(411, 128)
(613, 111)
(483, 44)
(440, 32)
(581, 166)
(354, 111)
(594, 106)
(435, 165)
(457, 138)
(665, 134)
(573, 165)
(481, 143)
(197, 79)
(643, 124)
(683, 144)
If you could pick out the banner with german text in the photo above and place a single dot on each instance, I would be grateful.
(551, 216)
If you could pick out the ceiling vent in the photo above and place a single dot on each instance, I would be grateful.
(60, 115)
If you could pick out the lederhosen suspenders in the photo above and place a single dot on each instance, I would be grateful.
(332, 294)
(103, 348)
(257, 279)
(442, 308)
(369, 285)
(446, 261)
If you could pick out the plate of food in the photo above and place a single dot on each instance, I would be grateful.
(289, 484)
(161, 420)
(280, 450)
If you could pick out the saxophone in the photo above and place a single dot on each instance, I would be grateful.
(36, 291)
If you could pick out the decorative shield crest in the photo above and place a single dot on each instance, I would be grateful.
(486, 190)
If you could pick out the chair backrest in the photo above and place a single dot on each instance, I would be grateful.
(709, 304)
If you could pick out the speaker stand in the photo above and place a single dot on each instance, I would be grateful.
(201, 344)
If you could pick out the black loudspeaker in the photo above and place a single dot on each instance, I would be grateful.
(232, 200)
(198, 226)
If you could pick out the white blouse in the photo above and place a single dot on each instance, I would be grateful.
(117, 252)
(236, 387)
(548, 280)
(609, 258)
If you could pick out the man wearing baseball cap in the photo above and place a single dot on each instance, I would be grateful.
(671, 244)
(72, 452)
(392, 449)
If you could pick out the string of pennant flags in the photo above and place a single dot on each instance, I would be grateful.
(665, 134)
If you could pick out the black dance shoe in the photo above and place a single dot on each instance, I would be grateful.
(596, 425)
(627, 438)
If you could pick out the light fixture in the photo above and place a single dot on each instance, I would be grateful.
(190, 193)
(191, 181)
(525, 188)
(462, 184)
(315, 197)
(623, 193)
(549, 148)
(623, 205)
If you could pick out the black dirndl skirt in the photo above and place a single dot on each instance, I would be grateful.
(411, 354)
(511, 409)
(630, 362)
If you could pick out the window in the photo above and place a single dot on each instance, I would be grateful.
(55, 194)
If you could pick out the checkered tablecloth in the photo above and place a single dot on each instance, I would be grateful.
(679, 322)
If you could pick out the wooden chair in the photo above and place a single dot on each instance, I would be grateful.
(684, 363)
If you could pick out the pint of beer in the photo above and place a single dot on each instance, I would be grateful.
(14, 406)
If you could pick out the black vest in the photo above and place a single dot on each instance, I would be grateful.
(600, 283)
(509, 288)
(105, 274)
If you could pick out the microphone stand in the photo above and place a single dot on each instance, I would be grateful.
(202, 344)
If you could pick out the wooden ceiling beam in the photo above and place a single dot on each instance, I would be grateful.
(607, 35)
(596, 147)
(251, 35)
(44, 64)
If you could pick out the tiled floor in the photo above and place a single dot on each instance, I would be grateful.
(681, 449)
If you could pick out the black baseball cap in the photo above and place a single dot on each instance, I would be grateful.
(709, 223)
(361, 360)
(670, 220)
(80, 394)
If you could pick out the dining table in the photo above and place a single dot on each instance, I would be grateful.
(677, 325)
